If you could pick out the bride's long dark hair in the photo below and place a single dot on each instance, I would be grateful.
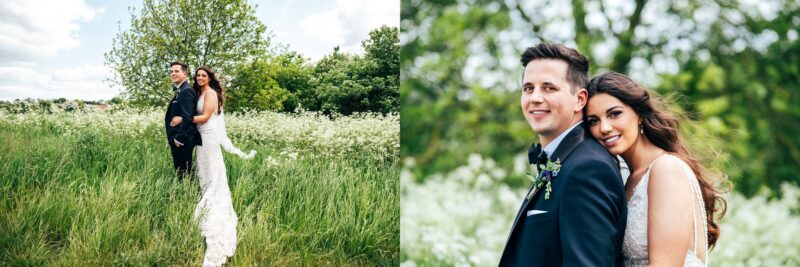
(661, 128)
(214, 83)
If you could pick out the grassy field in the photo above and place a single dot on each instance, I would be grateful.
(97, 188)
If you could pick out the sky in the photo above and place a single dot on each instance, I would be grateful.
(53, 49)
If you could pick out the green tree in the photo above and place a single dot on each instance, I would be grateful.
(334, 86)
(744, 89)
(382, 70)
(219, 33)
(447, 113)
(293, 73)
(383, 47)
(116, 100)
(269, 83)
(344, 83)
(731, 66)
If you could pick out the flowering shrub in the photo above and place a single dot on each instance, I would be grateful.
(759, 231)
(369, 133)
(463, 218)
(307, 134)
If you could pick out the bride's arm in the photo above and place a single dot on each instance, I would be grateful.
(209, 104)
(669, 217)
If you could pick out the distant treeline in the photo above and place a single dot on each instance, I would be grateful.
(338, 83)
(57, 105)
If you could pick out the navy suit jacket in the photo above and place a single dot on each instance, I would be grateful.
(583, 223)
(184, 104)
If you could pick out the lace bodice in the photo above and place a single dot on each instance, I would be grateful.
(634, 246)
(213, 121)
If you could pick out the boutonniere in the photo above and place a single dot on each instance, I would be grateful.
(544, 176)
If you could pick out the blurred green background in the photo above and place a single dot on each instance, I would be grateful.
(729, 66)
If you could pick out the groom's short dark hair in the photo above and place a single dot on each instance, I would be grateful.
(184, 66)
(577, 64)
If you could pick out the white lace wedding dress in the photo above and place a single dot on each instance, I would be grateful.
(634, 246)
(215, 210)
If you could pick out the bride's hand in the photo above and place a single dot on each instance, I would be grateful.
(175, 121)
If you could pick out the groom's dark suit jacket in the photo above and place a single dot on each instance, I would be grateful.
(184, 104)
(584, 219)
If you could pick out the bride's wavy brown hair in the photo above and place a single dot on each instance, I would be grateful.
(661, 128)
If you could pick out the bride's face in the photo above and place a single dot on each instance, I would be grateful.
(613, 123)
(202, 78)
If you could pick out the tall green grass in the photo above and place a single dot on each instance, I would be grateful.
(93, 197)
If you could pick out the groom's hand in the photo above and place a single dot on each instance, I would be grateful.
(177, 144)
(175, 121)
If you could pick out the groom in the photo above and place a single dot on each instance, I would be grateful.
(183, 137)
(577, 214)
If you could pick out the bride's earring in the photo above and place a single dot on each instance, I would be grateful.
(641, 129)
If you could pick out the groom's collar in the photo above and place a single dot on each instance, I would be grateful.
(562, 146)
(574, 138)
(551, 147)
(177, 87)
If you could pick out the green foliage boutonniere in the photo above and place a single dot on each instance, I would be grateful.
(544, 176)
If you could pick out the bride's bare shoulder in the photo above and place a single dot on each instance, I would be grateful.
(210, 96)
(668, 177)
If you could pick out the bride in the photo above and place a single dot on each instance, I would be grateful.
(215, 209)
(671, 200)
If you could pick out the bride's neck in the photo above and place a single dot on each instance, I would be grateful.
(641, 154)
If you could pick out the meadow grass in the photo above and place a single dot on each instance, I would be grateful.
(87, 196)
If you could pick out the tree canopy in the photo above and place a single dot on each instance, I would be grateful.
(218, 33)
(731, 67)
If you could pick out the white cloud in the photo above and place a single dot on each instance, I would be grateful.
(325, 27)
(350, 22)
(22, 75)
(32, 30)
(84, 82)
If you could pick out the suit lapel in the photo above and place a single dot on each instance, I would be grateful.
(564, 149)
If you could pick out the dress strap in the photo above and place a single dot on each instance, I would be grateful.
(694, 217)
(654, 161)
(646, 176)
(697, 199)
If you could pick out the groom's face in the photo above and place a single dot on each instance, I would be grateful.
(548, 101)
(176, 74)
